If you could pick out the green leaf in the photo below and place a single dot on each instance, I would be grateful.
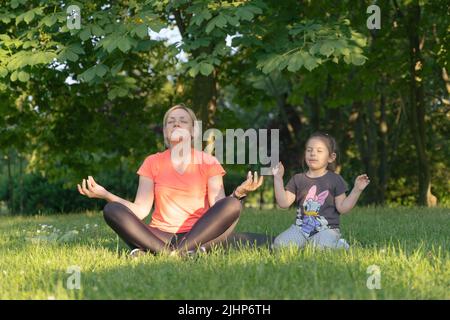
(234, 21)
(112, 94)
(193, 71)
(69, 55)
(85, 34)
(13, 76)
(314, 49)
(116, 68)
(109, 43)
(14, 4)
(358, 59)
(97, 31)
(206, 68)
(124, 44)
(254, 9)
(244, 13)
(4, 37)
(23, 76)
(101, 70)
(3, 72)
(6, 18)
(145, 45)
(345, 51)
(270, 64)
(198, 18)
(295, 62)
(221, 21)
(29, 16)
(77, 48)
(347, 59)
(218, 21)
(310, 62)
(122, 92)
(210, 26)
(156, 25)
(88, 75)
(327, 49)
(49, 20)
(28, 44)
(141, 31)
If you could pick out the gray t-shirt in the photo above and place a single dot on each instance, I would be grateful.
(315, 196)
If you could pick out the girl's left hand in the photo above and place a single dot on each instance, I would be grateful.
(361, 182)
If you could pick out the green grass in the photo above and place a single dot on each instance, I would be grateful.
(409, 245)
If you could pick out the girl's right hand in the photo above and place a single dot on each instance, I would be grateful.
(278, 170)
(93, 189)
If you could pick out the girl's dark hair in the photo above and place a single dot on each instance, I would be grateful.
(331, 144)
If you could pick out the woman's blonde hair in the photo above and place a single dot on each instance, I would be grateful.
(166, 116)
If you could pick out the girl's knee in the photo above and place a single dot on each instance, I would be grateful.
(278, 243)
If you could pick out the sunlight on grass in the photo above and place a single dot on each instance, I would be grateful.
(410, 247)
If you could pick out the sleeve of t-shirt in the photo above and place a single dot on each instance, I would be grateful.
(292, 186)
(340, 186)
(214, 168)
(149, 167)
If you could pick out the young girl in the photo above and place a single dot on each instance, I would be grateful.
(319, 194)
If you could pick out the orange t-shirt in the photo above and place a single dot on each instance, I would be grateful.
(180, 199)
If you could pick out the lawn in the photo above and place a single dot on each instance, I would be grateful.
(409, 246)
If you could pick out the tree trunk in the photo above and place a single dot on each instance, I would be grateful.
(204, 95)
(290, 133)
(21, 184)
(204, 98)
(121, 188)
(417, 105)
(10, 185)
(366, 138)
(373, 155)
(315, 113)
(383, 168)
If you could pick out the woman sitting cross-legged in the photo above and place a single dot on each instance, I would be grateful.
(191, 209)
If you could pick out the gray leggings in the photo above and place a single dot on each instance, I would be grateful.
(328, 238)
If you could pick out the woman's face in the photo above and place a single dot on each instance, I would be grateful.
(317, 155)
(179, 125)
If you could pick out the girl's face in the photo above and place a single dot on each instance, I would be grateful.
(179, 125)
(317, 155)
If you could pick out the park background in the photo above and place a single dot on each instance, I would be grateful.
(90, 101)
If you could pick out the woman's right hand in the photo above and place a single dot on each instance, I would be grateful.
(93, 190)
(278, 170)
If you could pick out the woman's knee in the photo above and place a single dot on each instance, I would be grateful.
(233, 206)
(111, 210)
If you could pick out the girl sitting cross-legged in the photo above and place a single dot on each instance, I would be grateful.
(320, 194)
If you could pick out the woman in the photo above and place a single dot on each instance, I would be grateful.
(186, 186)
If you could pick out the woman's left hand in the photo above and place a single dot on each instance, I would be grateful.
(251, 184)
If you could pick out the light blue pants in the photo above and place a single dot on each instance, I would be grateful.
(328, 238)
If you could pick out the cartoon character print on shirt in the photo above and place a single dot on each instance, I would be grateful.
(311, 220)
